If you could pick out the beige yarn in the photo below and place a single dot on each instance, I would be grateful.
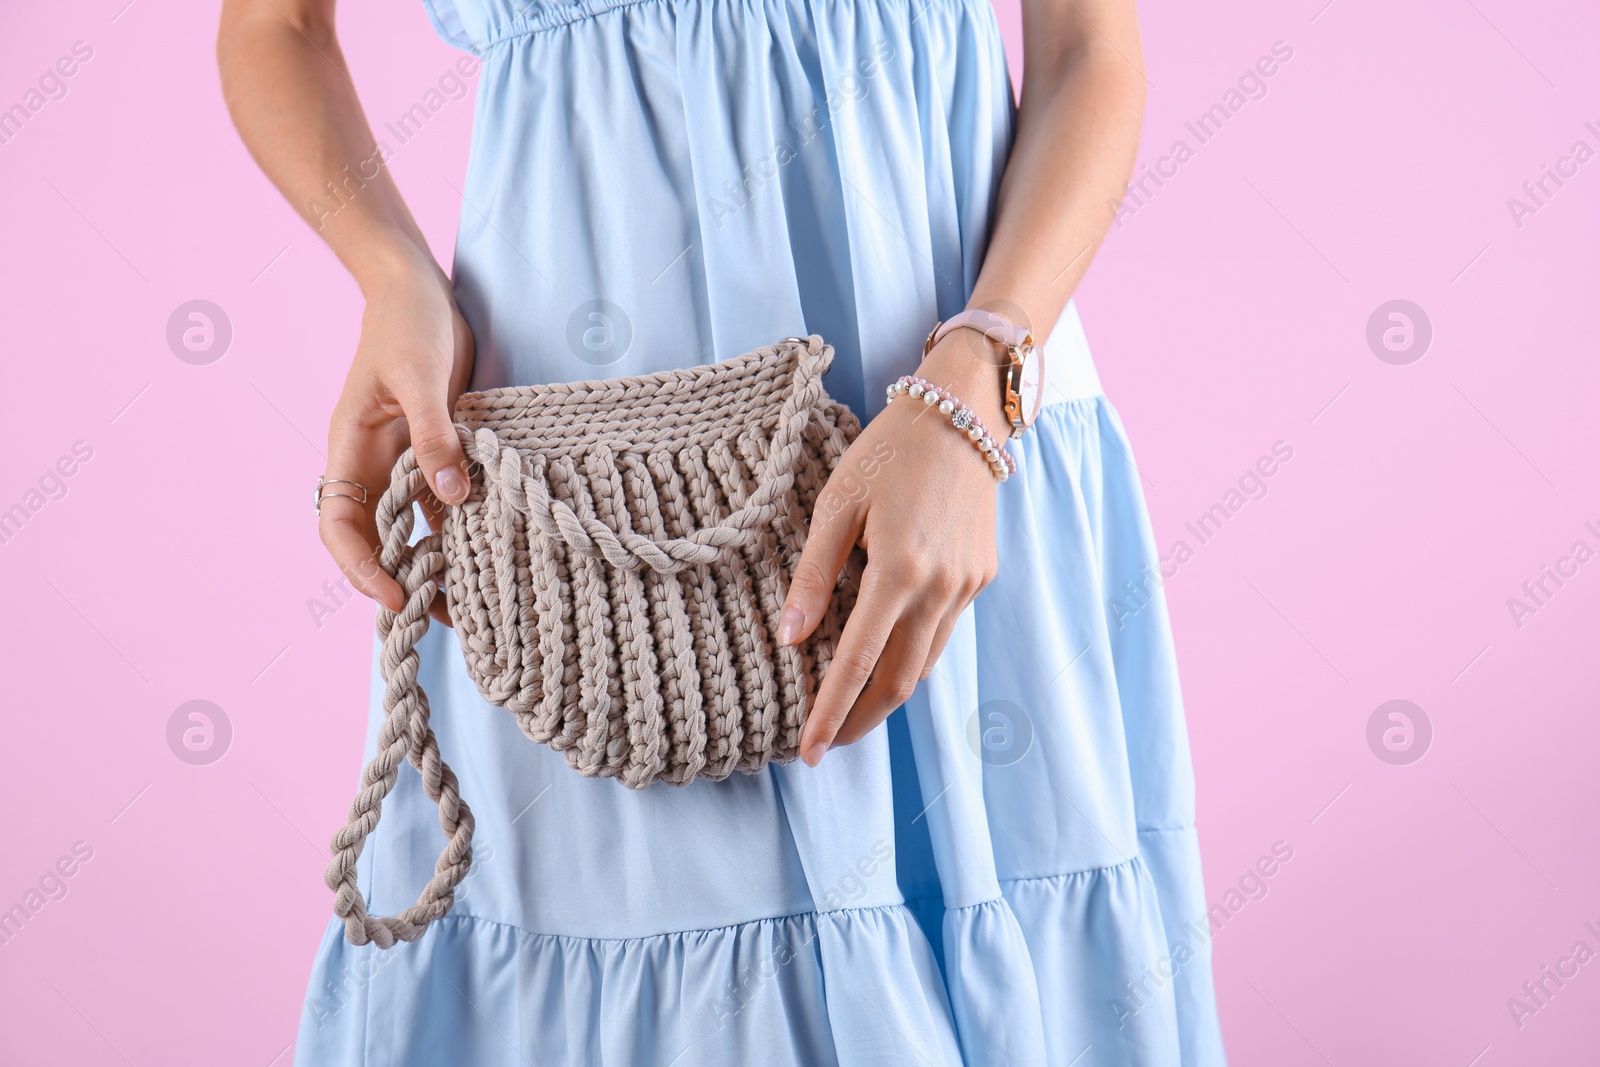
(615, 579)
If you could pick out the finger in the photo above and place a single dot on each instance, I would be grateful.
(346, 542)
(835, 527)
(360, 453)
(969, 591)
(435, 444)
(865, 635)
(896, 675)
(343, 532)
(941, 637)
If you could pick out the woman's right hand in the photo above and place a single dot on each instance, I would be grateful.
(289, 91)
(413, 360)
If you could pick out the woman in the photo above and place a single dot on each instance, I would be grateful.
(1002, 873)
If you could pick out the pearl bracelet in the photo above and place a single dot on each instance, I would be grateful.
(962, 418)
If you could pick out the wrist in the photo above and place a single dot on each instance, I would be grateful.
(396, 265)
(944, 404)
(967, 364)
(1008, 345)
(1014, 303)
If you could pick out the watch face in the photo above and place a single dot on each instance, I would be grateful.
(1030, 390)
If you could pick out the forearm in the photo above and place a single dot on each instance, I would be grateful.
(1077, 134)
(291, 97)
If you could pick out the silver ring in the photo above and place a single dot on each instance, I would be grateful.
(322, 481)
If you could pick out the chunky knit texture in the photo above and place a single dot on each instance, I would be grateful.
(615, 579)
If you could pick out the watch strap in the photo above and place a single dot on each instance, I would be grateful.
(991, 324)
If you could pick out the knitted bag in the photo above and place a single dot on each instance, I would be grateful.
(615, 578)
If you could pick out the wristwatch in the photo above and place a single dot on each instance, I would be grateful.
(1022, 376)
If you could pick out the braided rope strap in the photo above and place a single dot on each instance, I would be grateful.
(615, 579)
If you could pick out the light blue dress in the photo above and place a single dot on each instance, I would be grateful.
(1006, 874)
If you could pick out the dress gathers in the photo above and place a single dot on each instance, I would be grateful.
(1007, 873)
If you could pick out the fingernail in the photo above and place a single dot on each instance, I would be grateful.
(789, 624)
(449, 485)
(815, 753)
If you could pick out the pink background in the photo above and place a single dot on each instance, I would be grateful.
(1228, 313)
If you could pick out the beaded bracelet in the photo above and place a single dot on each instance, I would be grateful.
(962, 418)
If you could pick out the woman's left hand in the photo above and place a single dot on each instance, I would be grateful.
(927, 522)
